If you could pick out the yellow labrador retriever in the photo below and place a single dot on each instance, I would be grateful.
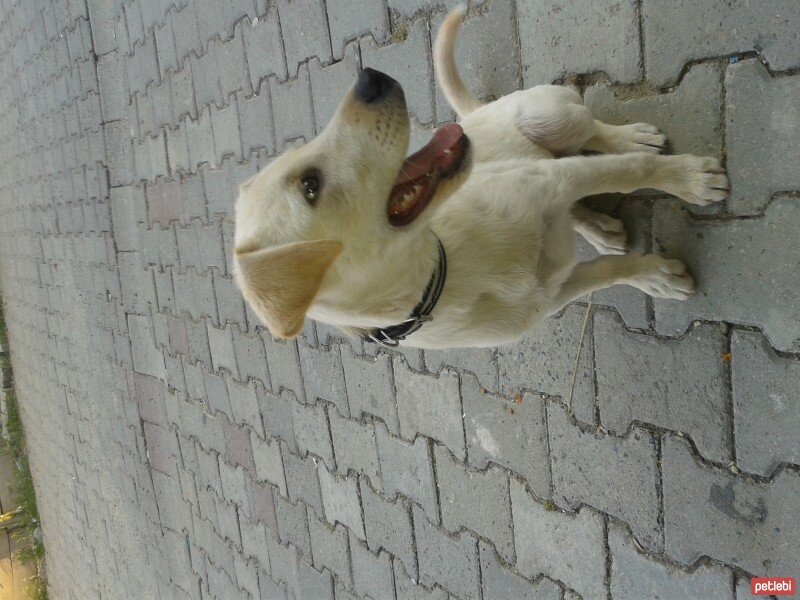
(468, 242)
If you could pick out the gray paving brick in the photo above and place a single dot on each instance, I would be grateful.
(370, 387)
(407, 469)
(293, 525)
(712, 512)
(601, 471)
(251, 357)
(760, 147)
(687, 370)
(165, 47)
(147, 358)
(244, 404)
(464, 497)
(765, 417)
(276, 413)
(350, 19)
(355, 448)
(264, 48)
(330, 84)
(232, 65)
(409, 589)
(479, 361)
(200, 140)
(740, 265)
(544, 361)
(499, 582)
(182, 91)
(566, 547)
(222, 354)
(634, 575)
(258, 131)
(268, 461)
(409, 62)
(340, 498)
(372, 575)
(284, 365)
(508, 434)
(566, 50)
(487, 57)
(305, 32)
(291, 107)
(430, 406)
(689, 114)
(225, 126)
(311, 431)
(323, 375)
(450, 561)
(230, 304)
(330, 547)
(669, 43)
(217, 393)
(162, 448)
(302, 481)
(388, 526)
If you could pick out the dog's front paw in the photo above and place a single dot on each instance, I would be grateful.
(698, 180)
(664, 278)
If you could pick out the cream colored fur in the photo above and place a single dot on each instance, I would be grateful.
(506, 221)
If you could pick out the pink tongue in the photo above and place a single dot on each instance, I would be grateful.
(422, 162)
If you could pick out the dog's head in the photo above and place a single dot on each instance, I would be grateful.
(323, 215)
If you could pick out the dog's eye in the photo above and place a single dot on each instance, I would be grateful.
(311, 188)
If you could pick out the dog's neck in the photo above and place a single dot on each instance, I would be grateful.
(382, 291)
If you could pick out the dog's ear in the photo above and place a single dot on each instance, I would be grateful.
(280, 283)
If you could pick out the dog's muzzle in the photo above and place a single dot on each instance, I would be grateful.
(373, 86)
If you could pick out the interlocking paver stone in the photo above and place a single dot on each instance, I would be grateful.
(745, 268)
(430, 406)
(677, 32)
(465, 496)
(388, 526)
(766, 413)
(601, 471)
(554, 42)
(711, 512)
(760, 121)
(370, 387)
(452, 562)
(562, 546)
(408, 470)
(509, 434)
(678, 384)
(544, 361)
(500, 582)
(634, 575)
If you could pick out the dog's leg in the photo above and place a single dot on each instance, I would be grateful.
(605, 233)
(621, 139)
(653, 274)
(695, 179)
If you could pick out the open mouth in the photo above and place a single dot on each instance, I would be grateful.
(421, 173)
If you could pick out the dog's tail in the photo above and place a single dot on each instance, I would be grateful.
(457, 94)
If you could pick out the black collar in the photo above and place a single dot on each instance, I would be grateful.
(394, 334)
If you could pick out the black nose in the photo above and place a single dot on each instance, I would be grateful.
(373, 85)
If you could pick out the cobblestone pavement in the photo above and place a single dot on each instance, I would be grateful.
(179, 452)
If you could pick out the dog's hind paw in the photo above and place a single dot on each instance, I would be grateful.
(641, 137)
(605, 233)
(698, 180)
(664, 278)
